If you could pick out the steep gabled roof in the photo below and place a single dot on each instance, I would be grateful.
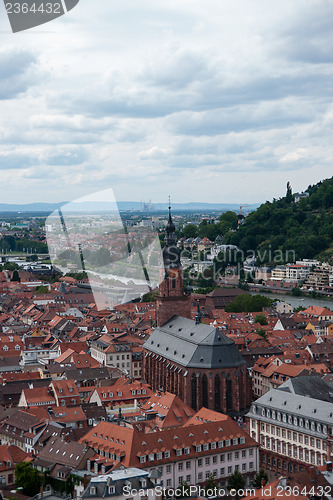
(183, 341)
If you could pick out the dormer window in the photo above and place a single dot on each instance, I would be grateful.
(112, 490)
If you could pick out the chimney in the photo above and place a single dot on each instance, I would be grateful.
(329, 466)
(85, 481)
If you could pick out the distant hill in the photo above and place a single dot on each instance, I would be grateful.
(121, 205)
(305, 227)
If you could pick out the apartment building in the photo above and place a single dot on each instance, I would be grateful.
(208, 443)
(294, 425)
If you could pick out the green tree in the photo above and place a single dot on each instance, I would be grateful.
(236, 482)
(249, 303)
(210, 483)
(32, 258)
(41, 289)
(149, 297)
(298, 309)
(184, 490)
(190, 231)
(289, 193)
(262, 333)
(259, 477)
(296, 292)
(27, 478)
(15, 276)
(261, 318)
(229, 220)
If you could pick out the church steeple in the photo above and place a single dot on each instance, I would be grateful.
(172, 298)
(170, 229)
(171, 253)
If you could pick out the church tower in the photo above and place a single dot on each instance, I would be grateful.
(172, 299)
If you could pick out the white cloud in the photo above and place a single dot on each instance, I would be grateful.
(181, 97)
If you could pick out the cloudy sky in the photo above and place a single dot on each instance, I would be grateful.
(205, 101)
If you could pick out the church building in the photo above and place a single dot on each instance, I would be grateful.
(197, 362)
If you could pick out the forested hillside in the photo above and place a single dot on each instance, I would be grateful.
(305, 227)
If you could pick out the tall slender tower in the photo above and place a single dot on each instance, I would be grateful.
(171, 298)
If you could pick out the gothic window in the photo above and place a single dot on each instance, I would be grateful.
(229, 394)
(194, 391)
(217, 391)
(204, 391)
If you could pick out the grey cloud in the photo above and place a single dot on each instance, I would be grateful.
(307, 36)
(16, 74)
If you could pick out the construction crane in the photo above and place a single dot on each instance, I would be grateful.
(240, 208)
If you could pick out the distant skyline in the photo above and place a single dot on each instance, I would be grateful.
(219, 102)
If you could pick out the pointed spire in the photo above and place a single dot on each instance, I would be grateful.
(198, 316)
(171, 253)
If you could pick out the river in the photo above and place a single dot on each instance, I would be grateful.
(299, 301)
